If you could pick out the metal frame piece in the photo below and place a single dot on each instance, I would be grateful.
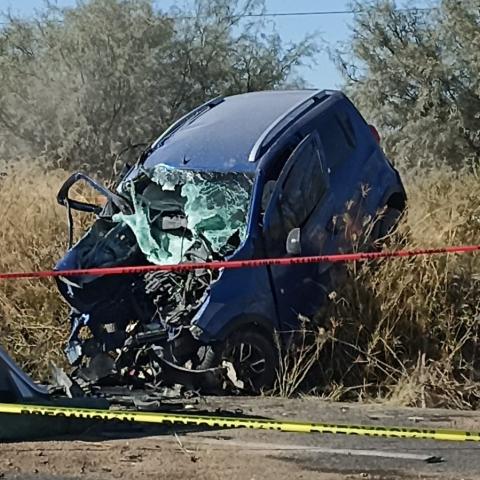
(317, 94)
(16, 386)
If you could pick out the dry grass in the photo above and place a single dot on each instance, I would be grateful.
(298, 360)
(405, 331)
(33, 318)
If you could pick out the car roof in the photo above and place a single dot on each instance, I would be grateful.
(221, 134)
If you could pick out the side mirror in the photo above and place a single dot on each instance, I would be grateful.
(294, 246)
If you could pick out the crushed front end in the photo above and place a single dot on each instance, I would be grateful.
(136, 329)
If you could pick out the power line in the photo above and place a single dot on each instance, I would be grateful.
(328, 12)
(299, 14)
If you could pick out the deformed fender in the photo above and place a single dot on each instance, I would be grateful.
(223, 311)
(247, 320)
(16, 386)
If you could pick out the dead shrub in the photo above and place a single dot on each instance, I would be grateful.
(406, 330)
(33, 237)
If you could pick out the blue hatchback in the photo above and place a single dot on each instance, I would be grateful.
(257, 175)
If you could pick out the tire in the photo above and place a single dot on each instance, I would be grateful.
(387, 223)
(253, 356)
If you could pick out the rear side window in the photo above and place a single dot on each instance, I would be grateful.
(338, 138)
(299, 189)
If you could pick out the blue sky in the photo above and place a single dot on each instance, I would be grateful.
(331, 28)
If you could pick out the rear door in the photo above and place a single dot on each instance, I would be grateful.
(302, 199)
(340, 145)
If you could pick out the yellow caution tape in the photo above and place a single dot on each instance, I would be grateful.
(233, 422)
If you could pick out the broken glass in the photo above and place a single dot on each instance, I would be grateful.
(174, 209)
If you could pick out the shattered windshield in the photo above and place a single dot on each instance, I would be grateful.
(177, 210)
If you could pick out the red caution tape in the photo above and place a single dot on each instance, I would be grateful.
(185, 267)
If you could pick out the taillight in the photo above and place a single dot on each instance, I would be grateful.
(375, 133)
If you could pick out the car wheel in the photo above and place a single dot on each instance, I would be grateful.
(253, 356)
(387, 223)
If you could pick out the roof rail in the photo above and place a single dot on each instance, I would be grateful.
(211, 103)
(317, 94)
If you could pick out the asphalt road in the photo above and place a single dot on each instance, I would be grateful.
(247, 454)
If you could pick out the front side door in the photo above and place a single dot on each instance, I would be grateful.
(302, 199)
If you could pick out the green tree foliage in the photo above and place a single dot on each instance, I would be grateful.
(80, 85)
(416, 75)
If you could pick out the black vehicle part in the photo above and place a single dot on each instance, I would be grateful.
(208, 380)
(100, 367)
(178, 296)
(63, 199)
(253, 355)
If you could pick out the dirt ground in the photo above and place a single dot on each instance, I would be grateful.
(146, 458)
(246, 454)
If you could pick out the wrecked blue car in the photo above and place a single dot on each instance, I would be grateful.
(257, 175)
